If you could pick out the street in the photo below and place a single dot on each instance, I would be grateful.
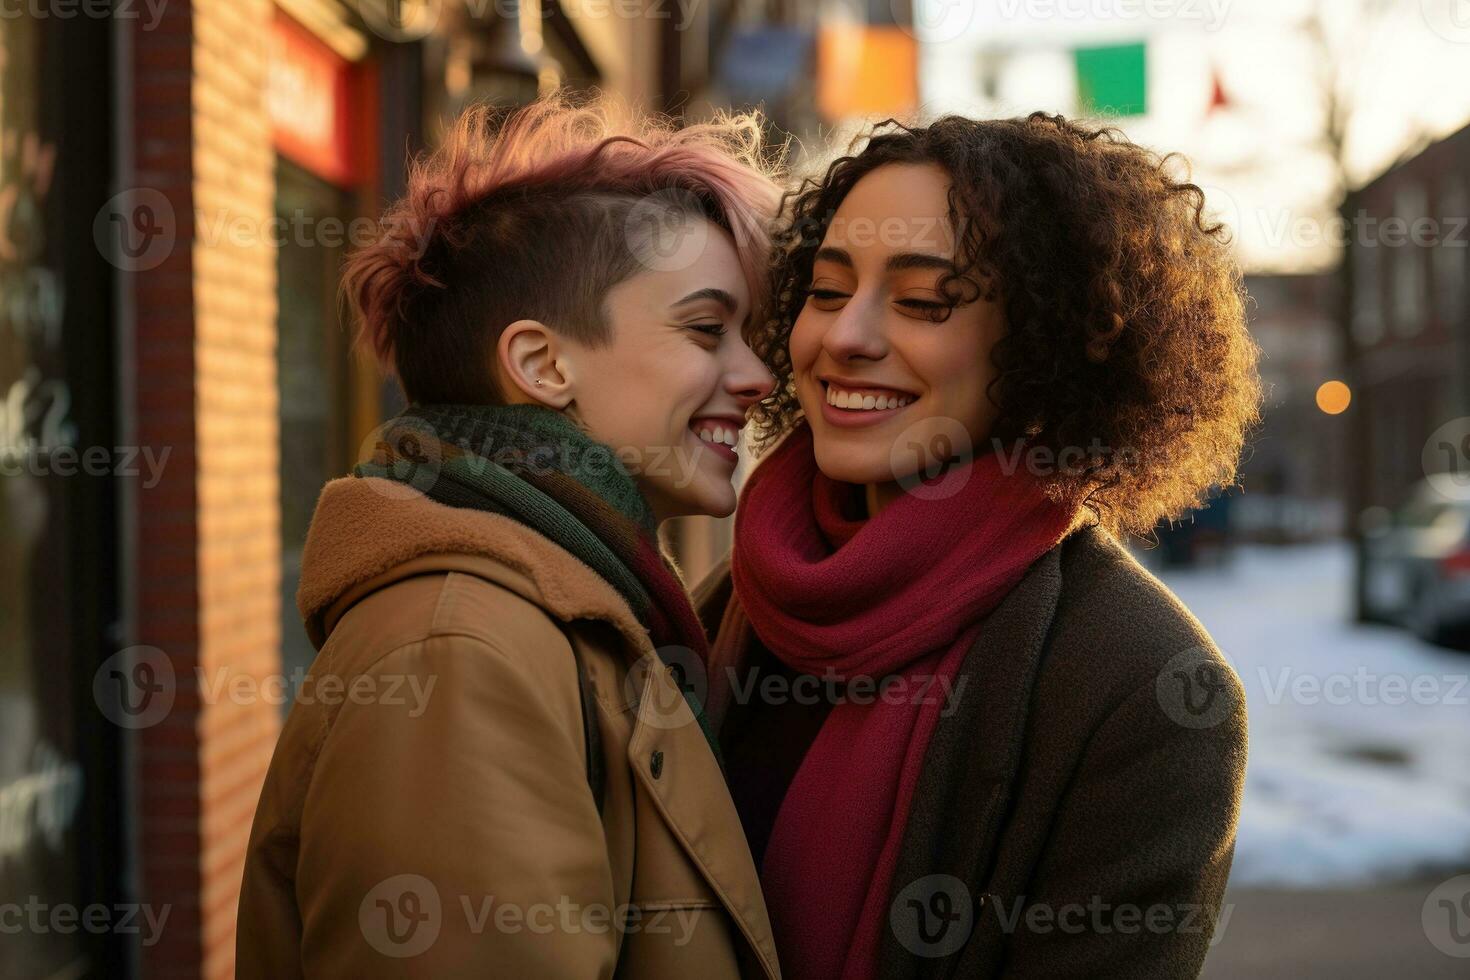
(1357, 801)
(1342, 934)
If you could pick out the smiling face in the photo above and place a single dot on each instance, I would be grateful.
(885, 386)
(670, 387)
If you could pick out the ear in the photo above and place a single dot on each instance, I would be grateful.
(534, 361)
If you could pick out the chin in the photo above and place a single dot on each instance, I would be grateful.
(851, 463)
(701, 500)
(722, 509)
(714, 503)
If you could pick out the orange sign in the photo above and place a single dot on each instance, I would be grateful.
(307, 95)
(864, 70)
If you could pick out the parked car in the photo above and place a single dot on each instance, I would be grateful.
(1417, 572)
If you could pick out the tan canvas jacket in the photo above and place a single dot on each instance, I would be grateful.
(428, 811)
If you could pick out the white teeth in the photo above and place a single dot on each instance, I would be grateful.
(724, 435)
(842, 398)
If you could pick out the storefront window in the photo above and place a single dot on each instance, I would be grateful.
(57, 823)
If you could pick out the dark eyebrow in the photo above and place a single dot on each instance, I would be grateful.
(720, 296)
(918, 260)
(833, 254)
(896, 263)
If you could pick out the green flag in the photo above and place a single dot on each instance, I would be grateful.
(1112, 80)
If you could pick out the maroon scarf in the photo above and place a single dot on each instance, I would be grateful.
(899, 596)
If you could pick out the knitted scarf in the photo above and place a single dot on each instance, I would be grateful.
(536, 465)
(892, 600)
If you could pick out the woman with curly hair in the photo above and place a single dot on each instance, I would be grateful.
(489, 770)
(967, 734)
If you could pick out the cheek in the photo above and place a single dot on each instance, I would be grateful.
(697, 379)
(624, 397)
(960, 371)
(680, 381)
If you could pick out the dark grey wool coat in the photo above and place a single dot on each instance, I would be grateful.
(1077, 807)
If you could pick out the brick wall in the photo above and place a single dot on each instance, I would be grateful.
(207, 561)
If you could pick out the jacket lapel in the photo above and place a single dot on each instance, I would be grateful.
(963, 794)
(673, 761)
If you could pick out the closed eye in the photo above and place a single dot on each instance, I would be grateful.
(827, 300)
(934, 311)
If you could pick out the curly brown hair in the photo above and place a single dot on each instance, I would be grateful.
(1126, 333)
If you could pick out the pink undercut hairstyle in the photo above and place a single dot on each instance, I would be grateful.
(535, 214)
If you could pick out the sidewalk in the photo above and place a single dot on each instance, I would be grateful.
(1365, 934)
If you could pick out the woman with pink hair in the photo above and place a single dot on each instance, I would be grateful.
(491, 769)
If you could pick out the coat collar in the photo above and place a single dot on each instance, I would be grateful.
(369, 532)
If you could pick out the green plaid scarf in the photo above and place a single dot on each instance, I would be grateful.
(536, 465)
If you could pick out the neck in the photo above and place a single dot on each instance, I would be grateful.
(880, 495)
(662, 510)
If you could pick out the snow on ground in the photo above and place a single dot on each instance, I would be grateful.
(1360, 735)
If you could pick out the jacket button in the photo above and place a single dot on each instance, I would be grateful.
(656, 764)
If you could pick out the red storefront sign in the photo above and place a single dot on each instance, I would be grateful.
(309, 105)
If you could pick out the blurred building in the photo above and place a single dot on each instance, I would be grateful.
(178, 186)
(1294, 468)
(1409, 258)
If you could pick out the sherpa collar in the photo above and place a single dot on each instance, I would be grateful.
(365, 529)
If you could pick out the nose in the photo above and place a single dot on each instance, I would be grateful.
(746, 377)
(855, 333)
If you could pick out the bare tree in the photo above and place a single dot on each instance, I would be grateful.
(1338, 66)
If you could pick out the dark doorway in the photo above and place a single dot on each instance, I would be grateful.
(314, 372)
